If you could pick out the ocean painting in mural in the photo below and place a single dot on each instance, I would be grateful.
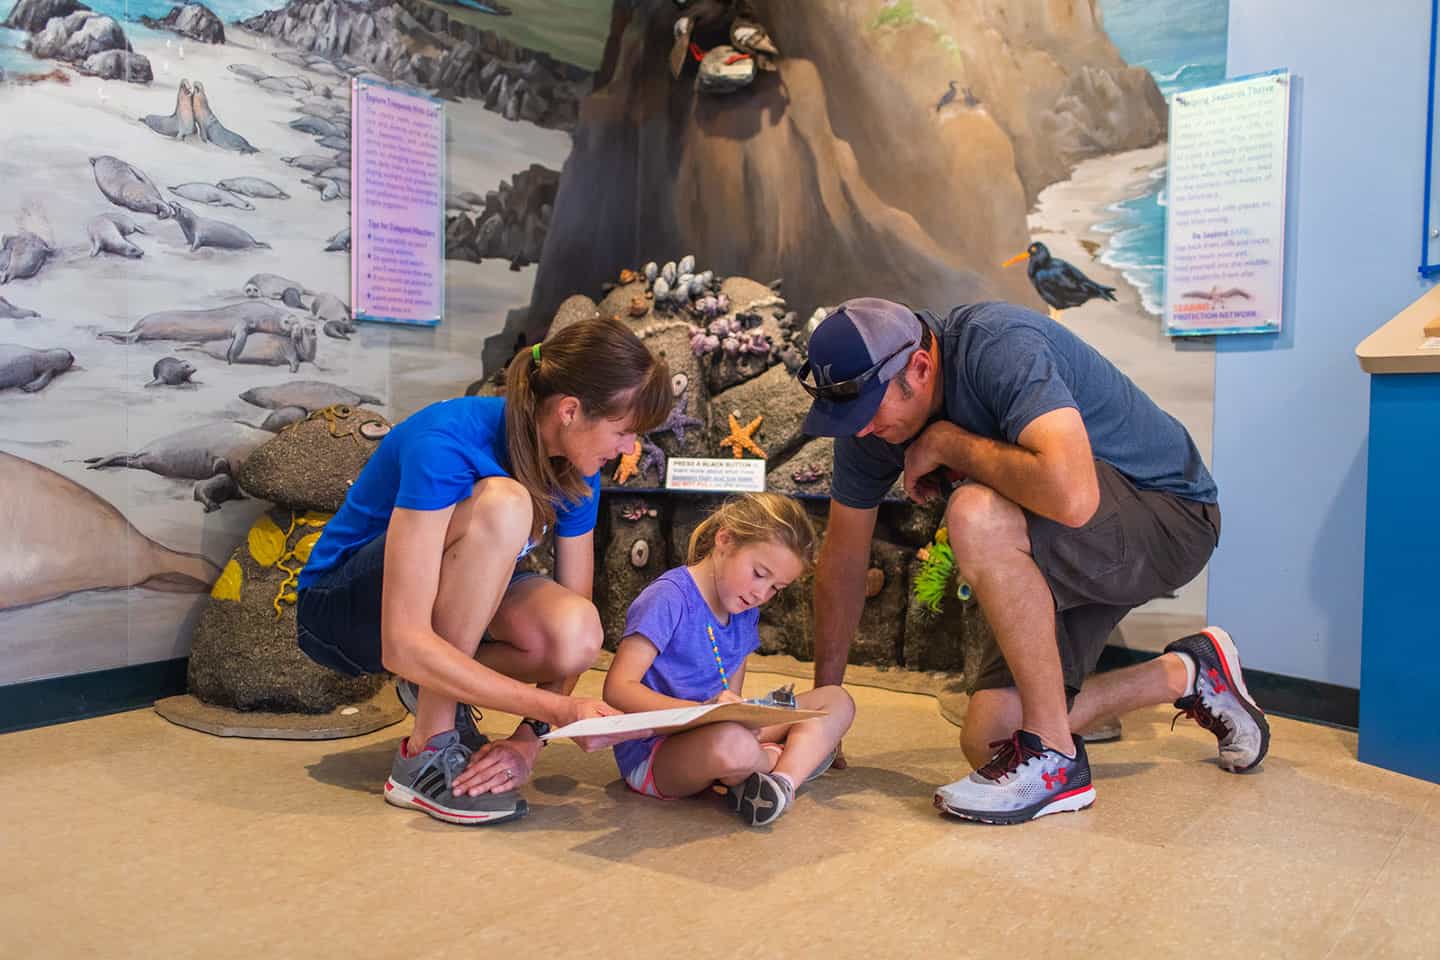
(1108, 217)
(1182, 44)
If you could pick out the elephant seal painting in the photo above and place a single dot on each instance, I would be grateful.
(105, 237)
(125, 186)
(198, 453)
(200, 326)
(253, 187)
(309, 395)
(171, 372)
(31, 370)
(62, 539)
(202, 232)
(270, 349)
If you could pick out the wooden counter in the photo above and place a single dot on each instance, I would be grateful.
(1395, 347)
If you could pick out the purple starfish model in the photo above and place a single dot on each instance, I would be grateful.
(677, 423)
(808, 474)
(651, 455)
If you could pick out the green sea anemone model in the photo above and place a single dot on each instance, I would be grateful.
(937, 569)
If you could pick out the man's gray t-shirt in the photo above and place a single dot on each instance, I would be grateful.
(1004, 366)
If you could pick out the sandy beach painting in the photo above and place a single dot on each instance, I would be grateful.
(142, 242)
(1108, 219)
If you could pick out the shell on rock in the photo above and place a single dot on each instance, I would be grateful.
(687, 263)
(669, 274)
(639, 553)
(874, 582)
(374, 429)
(662, 288)
(639, 306)
(678, 383)
(652, 270)
(628, 276)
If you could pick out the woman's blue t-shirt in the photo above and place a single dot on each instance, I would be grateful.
(430, 461)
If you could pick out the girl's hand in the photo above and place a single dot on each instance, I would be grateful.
(498, 766)
(725, 696)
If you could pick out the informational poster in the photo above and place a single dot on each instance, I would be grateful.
(1225, 228)
(715, 475)
(397, 205)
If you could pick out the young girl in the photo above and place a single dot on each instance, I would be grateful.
(419, 564)
(686, 639)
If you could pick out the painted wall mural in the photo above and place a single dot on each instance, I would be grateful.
(174, 225)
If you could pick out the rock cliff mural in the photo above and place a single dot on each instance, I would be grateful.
(932, 152)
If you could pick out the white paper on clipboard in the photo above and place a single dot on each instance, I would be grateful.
(751, 715)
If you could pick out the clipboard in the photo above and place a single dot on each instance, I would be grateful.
(748, 714)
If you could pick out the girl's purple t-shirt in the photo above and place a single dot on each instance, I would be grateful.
(672, 615)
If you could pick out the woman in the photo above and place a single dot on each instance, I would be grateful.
(419, 565)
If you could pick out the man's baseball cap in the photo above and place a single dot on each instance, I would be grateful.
(854, 352)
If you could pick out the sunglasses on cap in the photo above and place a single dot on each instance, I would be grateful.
(843, 389)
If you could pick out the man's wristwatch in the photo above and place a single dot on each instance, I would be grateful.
(539, 727)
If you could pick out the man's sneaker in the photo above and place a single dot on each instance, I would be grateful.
(1219, 701)
(422, 782)
(1023, 780)
(465, 715)
(761, 799)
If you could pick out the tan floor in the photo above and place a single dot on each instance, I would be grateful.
(128, 837)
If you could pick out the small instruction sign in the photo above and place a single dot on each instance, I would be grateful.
(397, 209)
(715, 475)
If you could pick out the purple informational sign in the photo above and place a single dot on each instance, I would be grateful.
(397, 205)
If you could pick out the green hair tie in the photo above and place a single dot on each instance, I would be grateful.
(535, 354)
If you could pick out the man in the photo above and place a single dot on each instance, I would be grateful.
(1081, 499)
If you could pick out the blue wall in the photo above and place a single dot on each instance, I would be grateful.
(1291, 412)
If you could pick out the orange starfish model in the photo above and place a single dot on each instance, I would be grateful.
(740, 438)
(629, 464)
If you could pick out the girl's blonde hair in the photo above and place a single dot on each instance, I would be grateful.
(756, 518)
(603, 364)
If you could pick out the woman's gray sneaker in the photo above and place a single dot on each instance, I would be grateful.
(422, 782)
(465, 714)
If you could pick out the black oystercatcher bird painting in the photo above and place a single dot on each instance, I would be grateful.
(1059, 283)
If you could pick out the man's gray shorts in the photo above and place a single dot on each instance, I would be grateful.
(1140, 545)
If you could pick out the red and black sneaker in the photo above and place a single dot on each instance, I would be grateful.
(1219, 702)
(1023, 780)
